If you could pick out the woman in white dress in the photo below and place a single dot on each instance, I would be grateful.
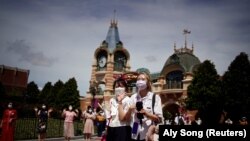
(119, 128)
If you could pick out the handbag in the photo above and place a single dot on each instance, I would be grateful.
(100, 118)
(41, 127)
(103, 138)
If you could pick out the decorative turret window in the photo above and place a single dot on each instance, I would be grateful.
(120, 61)
(102, 61)
(174, 79)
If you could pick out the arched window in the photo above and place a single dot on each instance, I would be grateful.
(120, 61)
(174, 79)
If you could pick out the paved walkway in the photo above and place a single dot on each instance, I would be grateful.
(77, 138)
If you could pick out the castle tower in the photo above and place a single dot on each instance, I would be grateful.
(110, 60)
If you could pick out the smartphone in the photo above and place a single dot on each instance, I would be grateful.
(135, 128)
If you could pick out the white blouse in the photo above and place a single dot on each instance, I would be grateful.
(147, 105)
(114, 121)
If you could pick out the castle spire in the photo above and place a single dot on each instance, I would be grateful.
(114, 21)
(184, 49)
(175, 46)
(185, 32)
(112, 37)
(114, 14)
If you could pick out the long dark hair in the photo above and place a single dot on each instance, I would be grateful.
(89, 107)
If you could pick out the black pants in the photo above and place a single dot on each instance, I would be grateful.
(100, 127)
(138, 140)
(122, 133)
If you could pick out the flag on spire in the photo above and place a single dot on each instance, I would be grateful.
(185, 31)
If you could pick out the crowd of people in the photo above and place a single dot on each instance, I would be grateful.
(183, 119)
(124, 118)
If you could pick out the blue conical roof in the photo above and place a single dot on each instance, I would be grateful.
(113, 36)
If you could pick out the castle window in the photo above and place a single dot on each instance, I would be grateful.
(174, 79)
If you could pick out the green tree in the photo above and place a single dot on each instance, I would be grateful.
(69, 94)
(2, 91)
(45, 94)
(32, 93)
(236, 87)
(204, 93)
(2, 99)
(58, 86)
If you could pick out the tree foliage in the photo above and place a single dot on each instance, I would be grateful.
(69, 95)
(2, 91)
(32, 93)
(58, 86)
(204, 93)
(46, 93)
(236, 87)
(57, 96)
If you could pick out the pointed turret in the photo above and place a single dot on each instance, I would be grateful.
(113, 35)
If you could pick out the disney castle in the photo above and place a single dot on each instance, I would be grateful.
(111, 60)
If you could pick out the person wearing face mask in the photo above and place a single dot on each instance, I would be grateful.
(8, 123)
(88, 117)
(100, 121)
(119, 128)
(69, 116)
(144, 113)
(43, 114)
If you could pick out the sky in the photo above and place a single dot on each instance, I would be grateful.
(56, 39)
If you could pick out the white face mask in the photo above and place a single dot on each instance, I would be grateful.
(70, 108)
(141, 84)
(10, 106)
(43, 106)
(90, 111)
(119, 90)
